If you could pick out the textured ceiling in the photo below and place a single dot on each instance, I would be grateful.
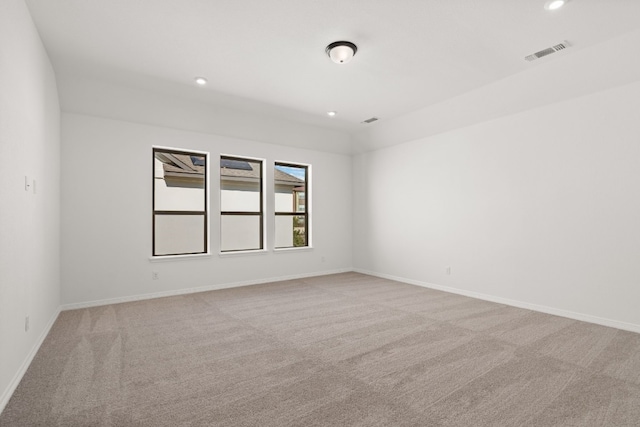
(268, 56)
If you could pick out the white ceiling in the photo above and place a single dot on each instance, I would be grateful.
(268, 56)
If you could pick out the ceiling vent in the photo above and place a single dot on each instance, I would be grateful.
(547, 51)
(371, 120)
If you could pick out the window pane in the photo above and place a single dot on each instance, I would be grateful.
(179, 202)
(290, 183)
(179, 182)
(240, 185)
(240, 232)
(290, 231)
(179, 234)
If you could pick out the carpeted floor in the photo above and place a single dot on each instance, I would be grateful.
(340, 350)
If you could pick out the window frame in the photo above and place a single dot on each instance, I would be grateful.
(206, 242)
(260, 213)
(307, 205)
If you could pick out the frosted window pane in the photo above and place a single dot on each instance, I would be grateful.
(290, 231)
(179, 234)
(239, 232)
(284, 231)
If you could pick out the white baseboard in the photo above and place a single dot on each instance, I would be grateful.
(514, 303)
(75, 306)
(8, 392)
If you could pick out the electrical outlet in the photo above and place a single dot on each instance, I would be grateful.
(449, 271)
(155, 275)
(323, 259)
(26, 324)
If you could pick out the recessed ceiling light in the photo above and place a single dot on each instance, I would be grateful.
(201, 81)
(331, 113)
(554, 4)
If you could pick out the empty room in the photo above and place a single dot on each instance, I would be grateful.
(319, 213)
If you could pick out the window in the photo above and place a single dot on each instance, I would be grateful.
(291, 186)
(180, 218)
(241, 204)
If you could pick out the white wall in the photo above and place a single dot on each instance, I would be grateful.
(541, 207)
(29, 223)
(105, 251)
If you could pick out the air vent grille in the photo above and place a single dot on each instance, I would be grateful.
(371, 120)
(547, 51)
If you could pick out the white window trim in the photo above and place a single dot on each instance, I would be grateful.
(241, 253)
(297, 249)
(168, 258)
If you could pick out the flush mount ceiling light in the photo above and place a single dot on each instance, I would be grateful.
(331, 113)
(201, 81)
(554, 4)
(341, 52)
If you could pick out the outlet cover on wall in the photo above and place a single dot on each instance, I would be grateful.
(155, 275)
(26, 324)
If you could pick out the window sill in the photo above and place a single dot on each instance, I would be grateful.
(298, 249)
(242, 253)
(165, 258)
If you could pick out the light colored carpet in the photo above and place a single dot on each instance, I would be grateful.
(340, 350)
